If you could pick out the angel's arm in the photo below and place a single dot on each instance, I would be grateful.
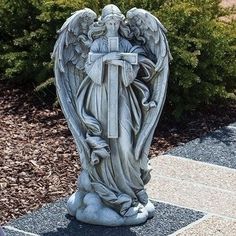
(143, 71)
(129, 73)
(95, 69)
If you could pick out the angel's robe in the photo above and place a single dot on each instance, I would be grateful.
(117, 176)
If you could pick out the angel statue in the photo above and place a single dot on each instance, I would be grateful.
(111, 78)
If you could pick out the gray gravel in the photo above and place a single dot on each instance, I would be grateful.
(52, 220)
(218, 147)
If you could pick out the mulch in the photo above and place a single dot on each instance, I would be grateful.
(38, 158)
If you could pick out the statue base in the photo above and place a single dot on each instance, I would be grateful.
(88, 208)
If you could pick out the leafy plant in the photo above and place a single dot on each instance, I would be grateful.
(203, 48)
(202, 44)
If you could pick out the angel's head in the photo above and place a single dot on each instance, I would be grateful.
(111, 23)
(111, 12)
(111, 17)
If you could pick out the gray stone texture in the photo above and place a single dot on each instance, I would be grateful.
(112, 92)
(218, 147)
(53, 220)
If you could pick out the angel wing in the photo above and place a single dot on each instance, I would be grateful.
(151, 32)
(70, 53)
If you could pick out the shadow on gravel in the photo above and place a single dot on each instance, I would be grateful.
(224, 135)
(81, 229)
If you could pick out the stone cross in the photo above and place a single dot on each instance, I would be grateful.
(113, 92)
(113, 84)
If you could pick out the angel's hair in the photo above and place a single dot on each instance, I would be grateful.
(138, 35)
(99, 29)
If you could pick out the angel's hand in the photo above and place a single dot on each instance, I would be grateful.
(112, 56)
(116, 62)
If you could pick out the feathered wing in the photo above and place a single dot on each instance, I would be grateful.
(70, 53)
(147, 27)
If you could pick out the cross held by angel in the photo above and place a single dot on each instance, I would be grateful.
(111, 78)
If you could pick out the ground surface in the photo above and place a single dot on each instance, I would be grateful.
(191, 197)
(228, 3)
(38, 158)
(53, 220)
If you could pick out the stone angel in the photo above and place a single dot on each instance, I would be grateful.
(111, 78)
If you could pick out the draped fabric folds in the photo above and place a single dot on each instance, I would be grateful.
(117, 175)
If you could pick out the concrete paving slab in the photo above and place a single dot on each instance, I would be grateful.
(52, 220)
(218, 147)
(213, 225)
(194, 171)
(192, 195)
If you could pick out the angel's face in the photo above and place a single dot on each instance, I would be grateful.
(112, 26)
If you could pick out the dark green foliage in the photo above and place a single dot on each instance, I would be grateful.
(203, 47)
(202, 44)
(18, 19)
(28, 31)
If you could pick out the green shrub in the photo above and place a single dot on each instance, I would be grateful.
(28, 32)
(203, 46)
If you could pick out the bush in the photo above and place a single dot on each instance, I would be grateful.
(18, 18)
(203, 48)
(29, 33)
(202, 45)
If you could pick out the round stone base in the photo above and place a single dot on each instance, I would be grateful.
(88, 208)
